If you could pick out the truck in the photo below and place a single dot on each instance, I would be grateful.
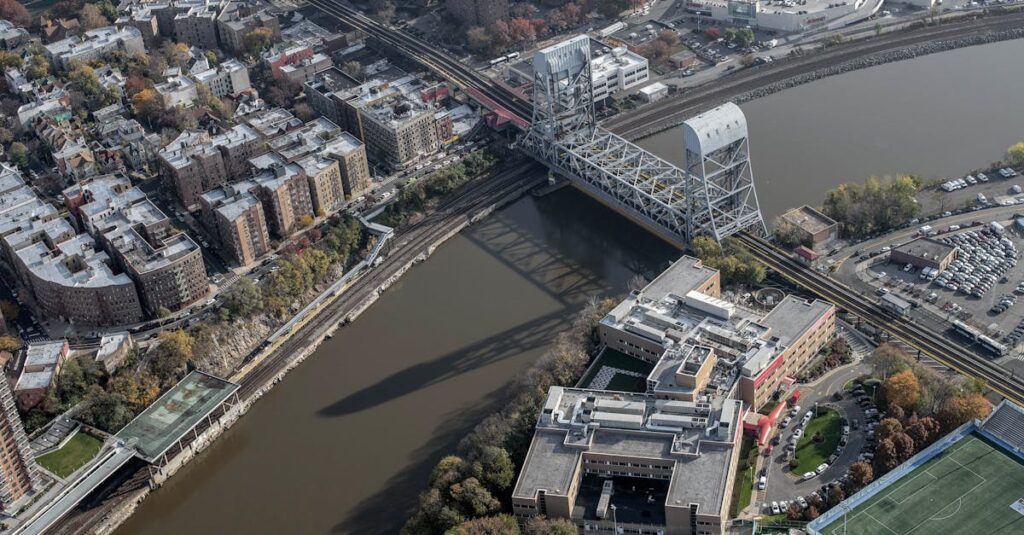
(926, 230)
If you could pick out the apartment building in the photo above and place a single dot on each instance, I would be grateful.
(477, 12)
(595, 450)
(229, 78)
(11, 36)
(235, 213)
(350, 154)
(69, 276)
(399, 130)
(197, 25)
(284, 190)
(93, 44)
(165, 264)
(273, 122)
(177, 90)
(39, 372)
(196, 161)
(306, 69)
(19, 477)
(328, 94)
(237, 19)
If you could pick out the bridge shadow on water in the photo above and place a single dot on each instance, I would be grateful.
(524, 337)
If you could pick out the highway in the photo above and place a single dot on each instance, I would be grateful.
(926, 340)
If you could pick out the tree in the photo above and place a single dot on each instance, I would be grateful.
(904, 446)
(888, 359)
(176, 54)
(961, 409)
(305, 220)
(713, 32)
(539, 525)
(447, 472)
(610, 9)
(835, 495)
(354, 69)
(494, 468)
(9, 59)
(794, 511)
(107, 411)
(257, 40)
(474, 498)
(84, 78)
(477, 38)
(1015, 154)
(10, 343)
(170, 357)
(743, 37)
(386, 9)
(138, 390)
(924, 431)
(9, 310)
(147, 104)
(886, 457)
(901, 390)
(888, 428)
(489, 525)
(18, 155)
(243, 298)
(13, 11)
(305, 113)
(90, 17)
(38, 66)
(861, 475)
(521, 31)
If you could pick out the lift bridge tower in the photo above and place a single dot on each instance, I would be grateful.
(714, 195)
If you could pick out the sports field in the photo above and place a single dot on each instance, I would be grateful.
(969, 488)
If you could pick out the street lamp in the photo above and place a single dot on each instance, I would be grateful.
(615, 522)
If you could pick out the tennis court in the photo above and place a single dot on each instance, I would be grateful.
(971, 487)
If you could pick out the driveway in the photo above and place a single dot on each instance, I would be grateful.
(782, 484)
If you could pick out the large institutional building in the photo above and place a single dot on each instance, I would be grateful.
(677, 444)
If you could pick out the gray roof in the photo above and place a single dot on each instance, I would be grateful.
(549, 465)
(793, 316)
(681, 277)
(926, 249)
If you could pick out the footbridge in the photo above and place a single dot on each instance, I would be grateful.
(713, 195)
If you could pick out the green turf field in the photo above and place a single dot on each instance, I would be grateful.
(968, 488)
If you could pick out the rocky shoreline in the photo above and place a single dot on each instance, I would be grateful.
(911, 52)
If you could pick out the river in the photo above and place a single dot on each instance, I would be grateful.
(937, 115)
(347, 440)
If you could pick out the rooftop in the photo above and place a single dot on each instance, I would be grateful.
(45, 353)
(175, 413)
(808, 219)
(926, 249)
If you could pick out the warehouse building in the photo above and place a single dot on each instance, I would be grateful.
(924, 252)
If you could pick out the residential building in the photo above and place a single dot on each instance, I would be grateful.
(238, 19)
(93, 44)
(114, 350)
(177, 90)
(53, 30)
(11, 36)
(165, 264)
(311, 34)
(197, 25)
(284, 190)
(19, 477)
(399, 125)
(352, 165)
(113, 132)
(275, 60)
(40, 372)
(235, 213)
(197, 161)
(229, 78)
(477, 12)
(273, 122)
(328, 94)
(810, 227)
(69, 277)
(305, 69)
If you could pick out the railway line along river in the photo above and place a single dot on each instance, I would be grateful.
(346, 441)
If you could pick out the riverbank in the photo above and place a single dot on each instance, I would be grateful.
(507, 187)
(748, 84)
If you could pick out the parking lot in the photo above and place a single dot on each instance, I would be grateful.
(996, 187)
(980, 288)
(859, 417)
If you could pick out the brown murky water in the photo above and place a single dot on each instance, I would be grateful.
(347, 440)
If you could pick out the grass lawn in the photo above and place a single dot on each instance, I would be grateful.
(619, 360)
(75, 453)
(743, 488)
(969, 488)
(810, 454)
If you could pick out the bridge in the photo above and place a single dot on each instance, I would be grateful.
(713, 195)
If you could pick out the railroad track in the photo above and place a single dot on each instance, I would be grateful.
(427, 54)
(921, 338)
(409, 243)
(746, 80)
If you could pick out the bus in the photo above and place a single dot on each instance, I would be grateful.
(966, 331)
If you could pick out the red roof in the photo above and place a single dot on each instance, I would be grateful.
(503, 113)
(806, 253)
